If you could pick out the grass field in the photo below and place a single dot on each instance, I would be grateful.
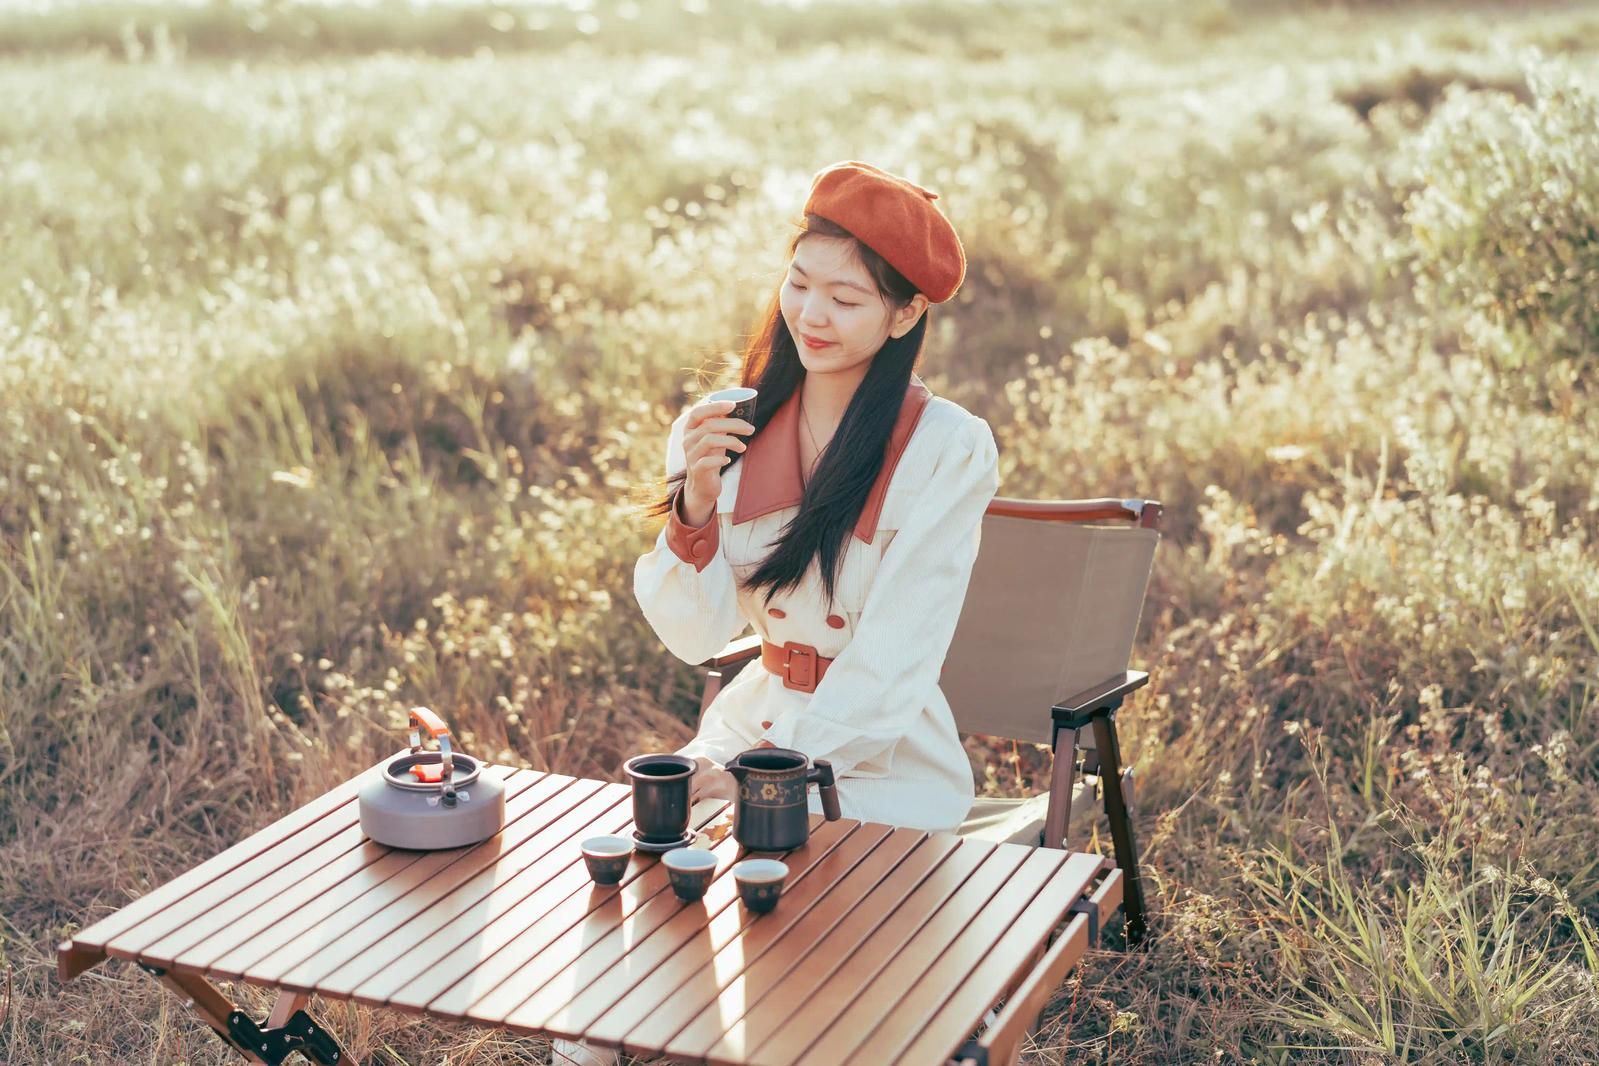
(337, 346)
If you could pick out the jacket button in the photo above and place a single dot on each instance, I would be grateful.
(835, 621)
(776, 612)
(700, 549)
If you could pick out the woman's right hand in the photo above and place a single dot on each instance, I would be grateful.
(706, 440)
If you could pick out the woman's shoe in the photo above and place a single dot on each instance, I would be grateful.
(577, 1053)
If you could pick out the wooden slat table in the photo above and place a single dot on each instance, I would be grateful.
(888, 946)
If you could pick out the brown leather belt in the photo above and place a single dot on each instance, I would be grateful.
(797, 664)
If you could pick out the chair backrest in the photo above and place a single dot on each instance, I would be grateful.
(1052, 610)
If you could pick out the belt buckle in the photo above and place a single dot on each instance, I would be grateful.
(804, 657)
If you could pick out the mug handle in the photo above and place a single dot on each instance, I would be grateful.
(822, 773)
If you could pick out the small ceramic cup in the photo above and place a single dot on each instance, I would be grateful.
(760, 882)
(607, 858)
(690, 871)
(743, 402)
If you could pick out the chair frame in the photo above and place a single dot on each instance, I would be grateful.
(1093, 709)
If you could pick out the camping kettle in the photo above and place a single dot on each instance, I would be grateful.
(427, 800)
(771, 812)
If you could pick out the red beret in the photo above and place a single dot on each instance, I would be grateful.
(896, 219)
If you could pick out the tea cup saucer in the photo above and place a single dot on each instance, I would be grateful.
(656, 847)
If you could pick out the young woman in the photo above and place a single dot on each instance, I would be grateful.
(842, 523)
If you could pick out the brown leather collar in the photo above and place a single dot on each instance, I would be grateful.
(770, 478)
(797, 664)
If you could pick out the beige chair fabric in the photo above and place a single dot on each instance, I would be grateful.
(1052, 610)
(1021, 821)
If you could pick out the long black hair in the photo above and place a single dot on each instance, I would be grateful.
(849, 465)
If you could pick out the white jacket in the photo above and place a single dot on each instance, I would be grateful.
(878, 714)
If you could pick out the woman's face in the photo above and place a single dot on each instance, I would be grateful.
(828, 296)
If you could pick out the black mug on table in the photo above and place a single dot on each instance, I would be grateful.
(660, 796)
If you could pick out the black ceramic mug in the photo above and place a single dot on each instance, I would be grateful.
(772, 812)
(660, 796)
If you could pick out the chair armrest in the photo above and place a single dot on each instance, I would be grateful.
(1074, 712)
(737, 652)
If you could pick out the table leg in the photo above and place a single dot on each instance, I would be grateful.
(288, 1028)
(204, 999)
(282, 1010)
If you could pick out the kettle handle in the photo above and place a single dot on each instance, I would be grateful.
(424, 720)
(821, 772)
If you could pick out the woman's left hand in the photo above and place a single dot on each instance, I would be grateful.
(711, 782)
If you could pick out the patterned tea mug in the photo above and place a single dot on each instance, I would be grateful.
(771, 812)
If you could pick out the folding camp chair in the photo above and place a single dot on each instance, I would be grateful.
(1049, 622)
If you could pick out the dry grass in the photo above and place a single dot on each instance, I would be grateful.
(327, 376)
